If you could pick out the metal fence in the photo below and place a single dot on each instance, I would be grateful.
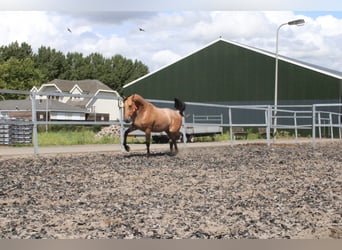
(318, 117)
(326, 116)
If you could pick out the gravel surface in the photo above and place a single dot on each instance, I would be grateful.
(241, 191)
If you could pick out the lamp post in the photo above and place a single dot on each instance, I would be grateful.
(297, 22)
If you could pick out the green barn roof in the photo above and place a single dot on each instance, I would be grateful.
(226, 71)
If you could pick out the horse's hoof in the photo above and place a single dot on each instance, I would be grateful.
(173, 153)
(127, 148)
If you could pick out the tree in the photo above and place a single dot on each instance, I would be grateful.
(14, 50)
(19, 75)
(75, 67)
(50, 62)
(21, 69)
(114, 72)
(119, 71)
(96, 64)
(139, 69)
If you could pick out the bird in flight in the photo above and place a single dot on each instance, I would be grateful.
(68, 29)
(141, 29)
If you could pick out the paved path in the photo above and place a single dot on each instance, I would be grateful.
(9, 151)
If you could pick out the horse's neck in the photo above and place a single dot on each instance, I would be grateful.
(140, 101)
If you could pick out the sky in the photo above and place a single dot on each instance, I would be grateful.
(159, 34)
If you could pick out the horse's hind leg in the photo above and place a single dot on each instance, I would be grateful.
(173, 142)
(171, 145)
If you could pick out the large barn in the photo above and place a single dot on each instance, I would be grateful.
(232, 73)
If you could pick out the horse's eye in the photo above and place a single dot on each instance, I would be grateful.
(129, 106)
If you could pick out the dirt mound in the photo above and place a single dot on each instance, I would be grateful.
(242, 191)
(110, 131)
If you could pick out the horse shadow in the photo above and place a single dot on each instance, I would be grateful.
(152, 154)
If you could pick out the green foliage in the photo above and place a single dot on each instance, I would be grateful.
(51, 63)
(114, 72)
(72, 128)
(21, 69)
(15, 50)
(19, 74)
(68, 137)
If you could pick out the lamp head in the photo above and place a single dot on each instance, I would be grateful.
(296, 22)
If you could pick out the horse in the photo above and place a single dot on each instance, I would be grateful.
(149, 118)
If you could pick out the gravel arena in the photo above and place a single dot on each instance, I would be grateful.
(219, 192)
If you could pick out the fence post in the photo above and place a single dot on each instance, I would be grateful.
(230, 124)
(121, 124)
(319, 125)
(314, 126)
(268, 124)
(339, 126)
(184, 130)
(295, 124)
(34, 121)
(331, 126)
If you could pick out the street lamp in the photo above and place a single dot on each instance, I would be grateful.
(298, 22)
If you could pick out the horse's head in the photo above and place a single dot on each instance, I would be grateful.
(130, 108)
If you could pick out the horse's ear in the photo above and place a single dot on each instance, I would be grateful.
(124, 98)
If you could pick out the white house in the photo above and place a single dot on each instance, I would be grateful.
(101, 105)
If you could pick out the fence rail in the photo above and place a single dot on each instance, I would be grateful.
(315, 117)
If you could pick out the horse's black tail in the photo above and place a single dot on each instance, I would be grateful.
(180, 105)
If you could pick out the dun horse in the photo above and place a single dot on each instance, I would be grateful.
(148, 118)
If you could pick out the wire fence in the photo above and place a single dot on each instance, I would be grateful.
(321, 119)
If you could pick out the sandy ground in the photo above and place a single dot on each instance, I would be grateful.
(240, 191)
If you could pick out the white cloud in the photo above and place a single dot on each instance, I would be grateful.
(113, 45)
(329, 25)
(233, 25)
(23, 26)
(165, 57)
(170, 35)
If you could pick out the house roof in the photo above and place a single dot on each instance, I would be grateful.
(87, 86)
(41, 105)
(319, 69)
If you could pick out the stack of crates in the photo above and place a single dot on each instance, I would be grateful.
(15, 131)
(5, 131)
(21, 133)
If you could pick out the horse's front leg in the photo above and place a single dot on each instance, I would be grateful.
(148, 140)
(130, 129)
